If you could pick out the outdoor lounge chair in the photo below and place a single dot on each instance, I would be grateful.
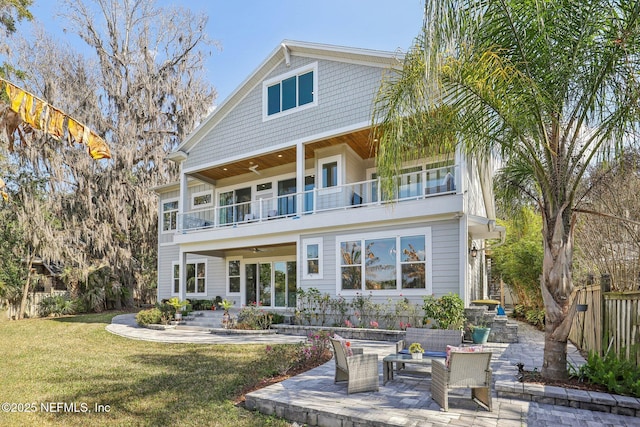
(360, 371)
(465, 370)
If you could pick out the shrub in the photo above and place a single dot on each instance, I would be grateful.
(201, 304)
(535, 317)
(277, 317)
(618, 374)
(447, 311)
(254, 317)
(149, 317)
(282, 358)
(167, 311)
(56, 306)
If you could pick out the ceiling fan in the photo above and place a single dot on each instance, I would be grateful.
(256, 250)
(254, 169)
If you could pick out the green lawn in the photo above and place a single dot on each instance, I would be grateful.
(73, 364)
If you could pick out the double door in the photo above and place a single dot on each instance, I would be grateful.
(271, 284)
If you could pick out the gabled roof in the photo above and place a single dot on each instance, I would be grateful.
(283, 52)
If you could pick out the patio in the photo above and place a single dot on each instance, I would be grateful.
(312, 398)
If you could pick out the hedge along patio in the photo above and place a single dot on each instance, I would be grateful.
(362, 318)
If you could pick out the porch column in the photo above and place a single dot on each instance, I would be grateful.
(183, 276)
(465, 287)
(183, 204)
(300, 178)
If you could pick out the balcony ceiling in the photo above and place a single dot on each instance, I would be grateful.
(358, 141)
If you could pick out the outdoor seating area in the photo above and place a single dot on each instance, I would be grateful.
(464, 370)
(314, 398)
(358, 370)
(433, 341)
(463, 367)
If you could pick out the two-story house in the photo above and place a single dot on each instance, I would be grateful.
(278, 191)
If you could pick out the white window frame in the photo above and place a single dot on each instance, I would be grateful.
(196, 262)
(305, 261)
(228, 276)
(162, 212)
(203, 205)
(398, 234)
(339, 179)
(173, 278)
(278, 79)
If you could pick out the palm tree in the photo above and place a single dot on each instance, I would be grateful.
(550, 85)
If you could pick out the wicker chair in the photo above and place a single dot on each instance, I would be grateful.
(360, 370)
(466, 370)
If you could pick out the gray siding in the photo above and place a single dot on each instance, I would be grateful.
(445, 239)
(166, 255)
(345, 93)
(167, 237)
(445, 258)
(216, 273)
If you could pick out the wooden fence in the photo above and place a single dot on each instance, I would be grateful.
(31, 309)
(611, 322)
(587, 325)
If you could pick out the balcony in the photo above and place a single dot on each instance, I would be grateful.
(410, 186)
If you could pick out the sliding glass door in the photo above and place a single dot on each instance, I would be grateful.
(271, 284)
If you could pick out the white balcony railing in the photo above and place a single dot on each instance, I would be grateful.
(410, 186)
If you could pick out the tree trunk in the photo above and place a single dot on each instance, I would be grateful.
(557, 293)
(25, 291)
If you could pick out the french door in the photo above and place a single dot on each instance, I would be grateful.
(271, 284)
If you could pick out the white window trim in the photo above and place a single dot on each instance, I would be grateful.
(305, 266)
(228, 276)
(173, 292)
(162, 212)
(340, 178)
(265, 97)
(426, 231)
(204, 205)
(197, 261)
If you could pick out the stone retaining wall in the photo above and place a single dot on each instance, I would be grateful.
(349, 333)
(501, 332)
(591, 400)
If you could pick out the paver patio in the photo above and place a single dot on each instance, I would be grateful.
(312, 398)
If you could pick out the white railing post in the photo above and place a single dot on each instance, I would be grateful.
(315, 199)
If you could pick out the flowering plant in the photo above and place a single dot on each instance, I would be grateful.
(404, 326)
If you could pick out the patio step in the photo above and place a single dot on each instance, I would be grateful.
(205, 319)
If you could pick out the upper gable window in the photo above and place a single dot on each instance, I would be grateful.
(290, 92)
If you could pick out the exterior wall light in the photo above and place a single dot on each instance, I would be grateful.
(473, 251)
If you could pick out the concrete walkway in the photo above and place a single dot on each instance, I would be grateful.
(312, 398)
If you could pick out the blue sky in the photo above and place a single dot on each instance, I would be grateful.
(250, 30)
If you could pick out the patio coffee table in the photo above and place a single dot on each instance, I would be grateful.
(388, 361)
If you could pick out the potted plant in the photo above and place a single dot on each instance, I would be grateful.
(178, 305)
(416, 350)
(226, 305)
(479, 332)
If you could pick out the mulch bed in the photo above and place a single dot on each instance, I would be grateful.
(278, 378)
(535, 377)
